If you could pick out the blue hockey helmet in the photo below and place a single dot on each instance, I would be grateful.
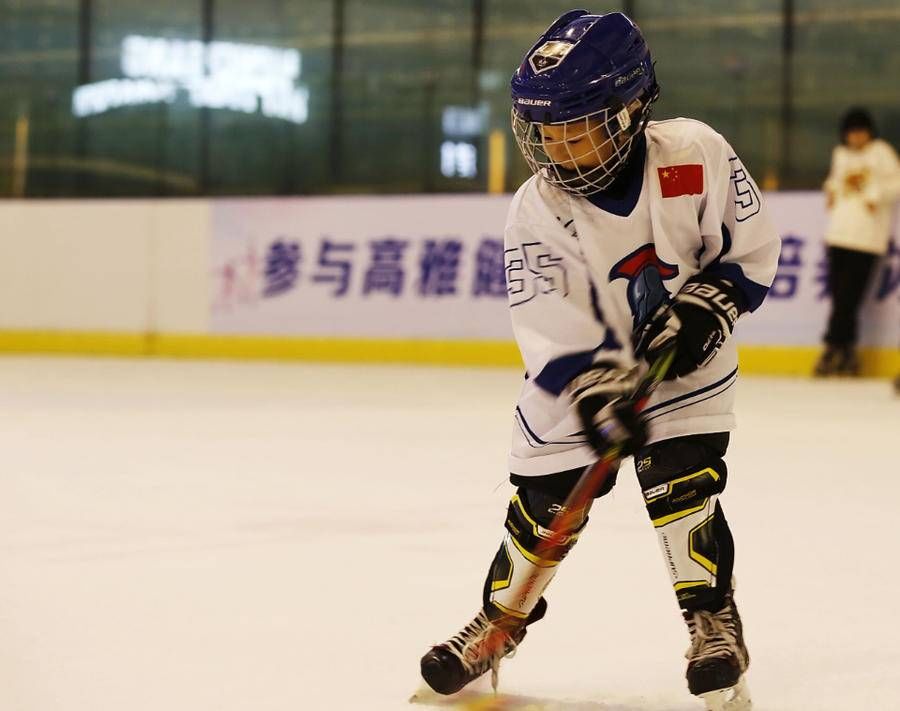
(581, 96)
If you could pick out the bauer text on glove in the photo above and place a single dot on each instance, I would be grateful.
(695, 322)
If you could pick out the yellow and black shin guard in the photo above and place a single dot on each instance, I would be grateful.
(527, 561)
(693, 534)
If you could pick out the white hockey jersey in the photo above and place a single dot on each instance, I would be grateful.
(582, 272)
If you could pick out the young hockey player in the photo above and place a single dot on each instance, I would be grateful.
(632, 238)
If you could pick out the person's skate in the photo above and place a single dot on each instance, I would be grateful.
(848, 362)
(828, 362)
(477, 648)
(718, 658)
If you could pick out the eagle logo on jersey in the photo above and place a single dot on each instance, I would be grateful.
(645, 273)
(549, 55)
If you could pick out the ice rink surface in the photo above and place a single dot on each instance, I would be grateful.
(260, 537)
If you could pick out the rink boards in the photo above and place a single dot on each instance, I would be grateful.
(390, 279)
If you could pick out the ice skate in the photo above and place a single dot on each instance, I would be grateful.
(828, 362)
(477, 648)
(718, 658)
(848, 362)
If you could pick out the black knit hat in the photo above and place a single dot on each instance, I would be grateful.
(855, 119)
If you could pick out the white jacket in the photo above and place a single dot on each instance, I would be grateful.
(876, 171)
(583, 272)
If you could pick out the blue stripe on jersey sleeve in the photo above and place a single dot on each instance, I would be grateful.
(754, 293)
(559, 372)
(726, 246)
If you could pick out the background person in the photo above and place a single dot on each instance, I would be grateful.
(860, 191)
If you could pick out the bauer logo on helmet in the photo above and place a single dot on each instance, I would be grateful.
(534, 102)
(636, 72)
(549, 55)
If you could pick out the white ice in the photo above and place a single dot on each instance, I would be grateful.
(185, 536)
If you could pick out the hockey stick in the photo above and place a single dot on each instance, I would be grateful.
(569, 516)
(559, 530)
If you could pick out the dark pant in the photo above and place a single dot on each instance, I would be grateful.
(848, 276)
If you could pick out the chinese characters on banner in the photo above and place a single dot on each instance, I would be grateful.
(360, 267)
(801, 253)
(386, 269)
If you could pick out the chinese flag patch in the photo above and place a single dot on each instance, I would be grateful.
(676, 180)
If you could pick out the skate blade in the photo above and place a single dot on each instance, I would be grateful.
(737, 698)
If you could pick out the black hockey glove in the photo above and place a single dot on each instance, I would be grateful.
(697, 322)
(608, 415)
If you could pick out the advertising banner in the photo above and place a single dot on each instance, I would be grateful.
(432, 267)
(361, 267)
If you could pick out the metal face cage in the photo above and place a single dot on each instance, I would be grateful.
(582, 156)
